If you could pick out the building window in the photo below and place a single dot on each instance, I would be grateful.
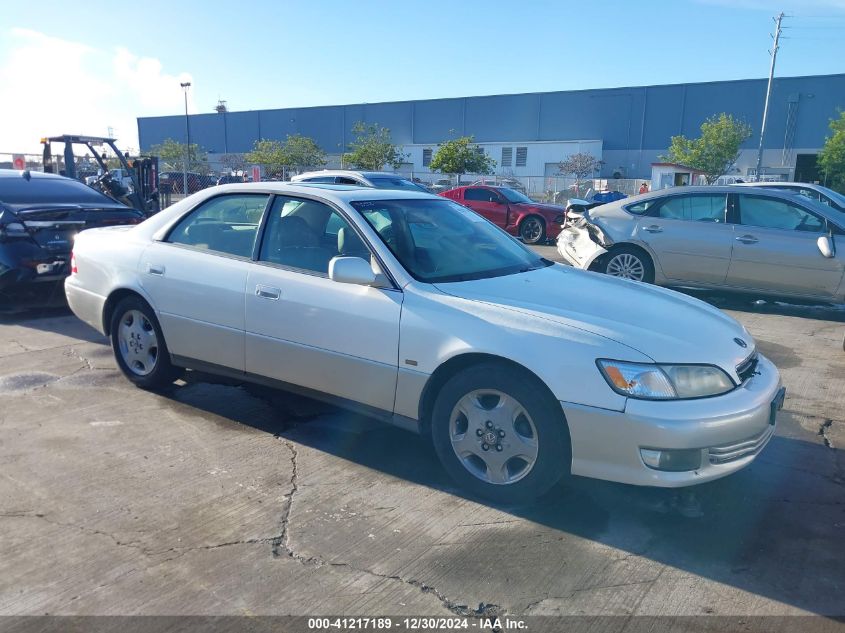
(521, 156)
(507, 156)
(426, 157)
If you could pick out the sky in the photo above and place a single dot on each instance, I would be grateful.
(67, 67)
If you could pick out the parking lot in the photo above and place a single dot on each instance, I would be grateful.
(216, 499)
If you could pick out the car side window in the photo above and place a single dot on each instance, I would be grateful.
(225, 224)
(322, 179)
(480, 195)
(343, 180)
(702, 208)
(772, 213)
(306, 234)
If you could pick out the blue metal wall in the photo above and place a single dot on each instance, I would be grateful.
(639, 118)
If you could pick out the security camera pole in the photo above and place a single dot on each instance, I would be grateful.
(185, 87)
(774, 53)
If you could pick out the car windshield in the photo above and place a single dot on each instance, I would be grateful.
(38, 191)
(440, 241)
(513, 196)
(837, 197)
(386, 182)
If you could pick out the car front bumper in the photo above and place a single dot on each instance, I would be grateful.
(576, 247)
(730, 431)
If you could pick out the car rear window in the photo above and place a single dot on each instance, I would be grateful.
(49, 191)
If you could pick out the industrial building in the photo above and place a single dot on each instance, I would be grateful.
(529, 134)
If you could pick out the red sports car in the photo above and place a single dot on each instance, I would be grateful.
(515, 212)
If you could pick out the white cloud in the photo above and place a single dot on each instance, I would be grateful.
(55, 86)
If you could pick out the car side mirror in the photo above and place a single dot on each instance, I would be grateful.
(826, 246)
(351, 270)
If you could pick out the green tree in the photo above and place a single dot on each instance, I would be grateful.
(715, 151)
(372, 148)
(270, 155)
(303, 151)
(172, 156)
(276, 157)
(831, 159)
(462, 156)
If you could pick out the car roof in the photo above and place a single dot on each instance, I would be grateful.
(348, 172)
(330, 191)
(17, 173)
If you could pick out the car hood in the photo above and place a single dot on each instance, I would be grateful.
(666, 326)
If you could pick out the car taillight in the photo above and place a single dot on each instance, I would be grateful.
(73, 269)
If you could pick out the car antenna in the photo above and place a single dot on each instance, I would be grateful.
(26, 175)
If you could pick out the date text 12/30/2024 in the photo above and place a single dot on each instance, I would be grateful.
(414, 624)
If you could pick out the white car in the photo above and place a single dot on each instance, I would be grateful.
(412, 308)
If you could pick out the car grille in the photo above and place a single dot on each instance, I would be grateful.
(733, 452)
(748, 367)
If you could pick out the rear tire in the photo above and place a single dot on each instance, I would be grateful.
(532, 230)
(628, 262)
(139, 346)
(490, 403)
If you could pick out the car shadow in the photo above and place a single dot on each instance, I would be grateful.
(53, 320)
(774, 529)
(756, 305)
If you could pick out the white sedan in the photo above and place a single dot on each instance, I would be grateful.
(413, 309)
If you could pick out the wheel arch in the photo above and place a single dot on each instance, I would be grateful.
(599, 261)
(455, 365)
(115, 297)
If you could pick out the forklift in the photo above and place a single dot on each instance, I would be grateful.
(142, 190)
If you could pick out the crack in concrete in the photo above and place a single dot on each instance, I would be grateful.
(574, 592)
(281, 547)
(823, 432)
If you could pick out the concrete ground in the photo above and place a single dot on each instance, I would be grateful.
(217, 499)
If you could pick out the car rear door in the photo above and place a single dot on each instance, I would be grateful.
(306, 330)
(776, 249)
(196, 278)
(487, 203)
(690, 237)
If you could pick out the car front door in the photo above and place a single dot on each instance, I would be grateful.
(304, 329)
(488, 204)
(196, 278)
(776, 249)
(690, 237)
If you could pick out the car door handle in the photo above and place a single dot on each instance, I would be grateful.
(267, 292)
(653, 229)
(154, 269)
(747, 239)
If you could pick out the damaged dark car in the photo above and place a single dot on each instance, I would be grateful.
(40, 214)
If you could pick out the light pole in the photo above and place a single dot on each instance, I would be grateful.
(774, 53)
(185, 87)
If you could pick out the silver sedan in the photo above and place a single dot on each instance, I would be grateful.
(755, 240)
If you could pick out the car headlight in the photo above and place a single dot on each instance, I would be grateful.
(664, 382)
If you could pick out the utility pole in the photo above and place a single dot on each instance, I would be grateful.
(185, 87)
(774, 54)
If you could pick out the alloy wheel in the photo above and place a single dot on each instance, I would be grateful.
(627, 266)
(493, 436)
(531, 230)
(138, 342)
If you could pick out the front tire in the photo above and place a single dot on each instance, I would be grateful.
(139, 346)
(499, 434)
(629, 263)
(532, 230)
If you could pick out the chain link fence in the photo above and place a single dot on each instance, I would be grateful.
(550, 189)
